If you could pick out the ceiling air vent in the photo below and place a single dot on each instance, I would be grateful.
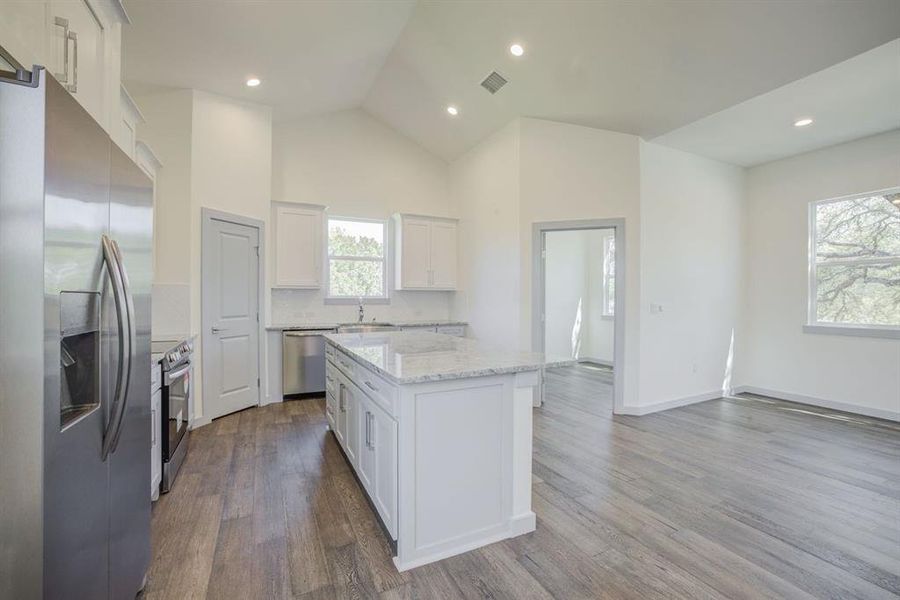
(493, 82)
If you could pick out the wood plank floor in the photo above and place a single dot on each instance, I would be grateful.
(733, 498)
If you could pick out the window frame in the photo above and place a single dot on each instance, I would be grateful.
(813, 325)
(385, 260)
(608, 240)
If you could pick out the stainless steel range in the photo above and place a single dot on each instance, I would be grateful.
(177, 372)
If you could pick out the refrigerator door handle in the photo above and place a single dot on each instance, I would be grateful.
(109, 258)
(132, 340)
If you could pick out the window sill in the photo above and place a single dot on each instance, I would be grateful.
(355, 301)
(873, 332)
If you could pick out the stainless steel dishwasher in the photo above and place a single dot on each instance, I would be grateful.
(303, 362)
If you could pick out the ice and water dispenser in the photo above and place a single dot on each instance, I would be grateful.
(79, 355)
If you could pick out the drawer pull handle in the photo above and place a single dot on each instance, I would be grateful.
(370, 386)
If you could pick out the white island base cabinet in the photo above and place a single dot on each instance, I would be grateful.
(446, 464)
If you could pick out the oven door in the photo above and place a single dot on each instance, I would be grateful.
(176, 398)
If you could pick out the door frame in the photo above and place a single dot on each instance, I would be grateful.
(538, 292)
(207, 216)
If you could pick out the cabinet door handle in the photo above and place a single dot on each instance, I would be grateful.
(74, 37)
(153, 427)
(64, 23)
(367, 429)
(372, 431)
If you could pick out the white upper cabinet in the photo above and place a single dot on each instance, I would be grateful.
(443, 255)
(78, 41)
(78, 54)
(299, 232)
(124, 133)
(426, 253)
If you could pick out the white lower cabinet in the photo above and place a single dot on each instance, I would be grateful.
(351, 439)
(366, 467)
(155, 431)
(340, 431)
(368, 436)
(383, 434)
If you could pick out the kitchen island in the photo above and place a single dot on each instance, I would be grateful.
(438, 431)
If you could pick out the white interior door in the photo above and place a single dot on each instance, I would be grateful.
(230, 270)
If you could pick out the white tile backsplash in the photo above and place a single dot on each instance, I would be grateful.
(297, 306)
(170, 311)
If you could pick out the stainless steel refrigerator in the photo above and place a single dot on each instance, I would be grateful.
(75, 272)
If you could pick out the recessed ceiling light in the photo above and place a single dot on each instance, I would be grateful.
(803, 122)
(516, 50)
(452, 110)
(253, 82)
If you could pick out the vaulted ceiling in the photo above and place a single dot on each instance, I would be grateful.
(645, 67)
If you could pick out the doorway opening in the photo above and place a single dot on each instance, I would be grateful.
(578, 299)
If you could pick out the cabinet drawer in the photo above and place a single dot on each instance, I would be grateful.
(372, 385)
(331, 385)
(376, 388)
(344, 363)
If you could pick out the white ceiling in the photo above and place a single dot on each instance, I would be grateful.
(855, 98)
(637, 66)
(312, 56)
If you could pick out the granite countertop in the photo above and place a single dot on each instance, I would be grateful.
(417, 357)
(309, 326)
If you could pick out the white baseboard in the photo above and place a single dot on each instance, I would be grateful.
(596, 361)
(269, 400)
(878, 413)
(200, 422)
(639, 411)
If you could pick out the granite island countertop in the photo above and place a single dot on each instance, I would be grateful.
(334, 325)
(405, 357)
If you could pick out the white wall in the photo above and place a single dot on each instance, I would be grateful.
(601, 329)
(574, 323)
(567, 172)
(169, 116)
(565, 293)
(231, 171)
(485, 184)
(774, 354)
(691, 267)
(358, 167)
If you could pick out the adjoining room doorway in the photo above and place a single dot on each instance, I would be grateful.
(578, 308)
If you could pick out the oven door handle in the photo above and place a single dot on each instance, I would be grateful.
(117, 409)
(170, 377)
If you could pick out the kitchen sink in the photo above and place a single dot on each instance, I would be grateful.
(365, 327)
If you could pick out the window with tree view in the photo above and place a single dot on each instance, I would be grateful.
(356, 258)
(855, 261)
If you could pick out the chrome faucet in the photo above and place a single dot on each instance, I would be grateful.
(362, 311)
